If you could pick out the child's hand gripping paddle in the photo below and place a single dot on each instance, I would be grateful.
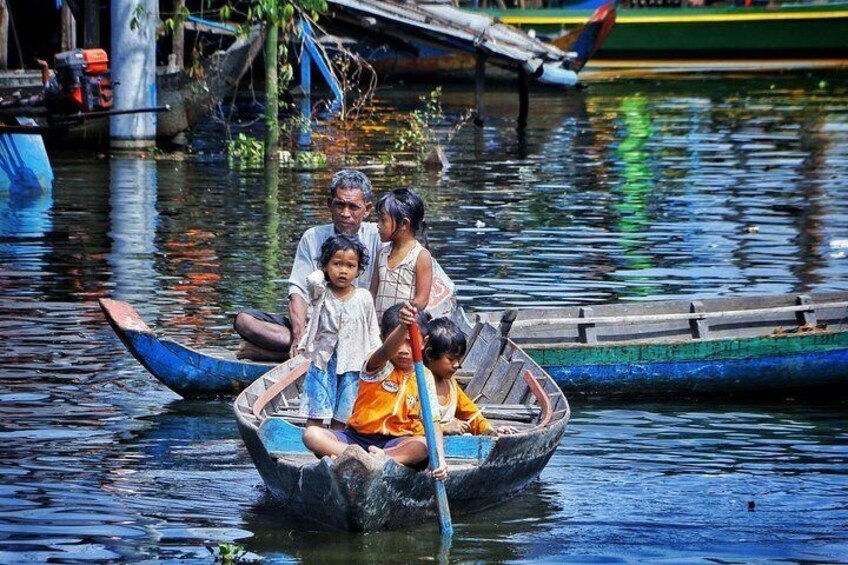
(429, 431)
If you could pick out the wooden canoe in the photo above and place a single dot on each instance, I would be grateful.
(188, 372)
(359, 492)
(720, 345)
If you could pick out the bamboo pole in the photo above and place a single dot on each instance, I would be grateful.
(178, 40)
(272, 103)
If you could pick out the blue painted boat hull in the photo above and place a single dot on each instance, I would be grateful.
(814, 371)
(23, 160)
(186, 371)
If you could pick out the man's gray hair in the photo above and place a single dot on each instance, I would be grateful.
(352, 179)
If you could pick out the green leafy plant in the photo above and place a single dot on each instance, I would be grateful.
(245, 151)
(418, 136)
(311, 160)
(233, 553)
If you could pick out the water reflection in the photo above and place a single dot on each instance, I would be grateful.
(133, 219)
(494, 536)
(705, 188)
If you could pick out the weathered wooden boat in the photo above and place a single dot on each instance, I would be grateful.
(720, 345)
(359, 492)
(423, 38)
(188, 372)
(788, 34)
(711, 346)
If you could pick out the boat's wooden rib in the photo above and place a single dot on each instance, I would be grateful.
(357, 491)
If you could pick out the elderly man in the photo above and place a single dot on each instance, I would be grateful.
(273, 337)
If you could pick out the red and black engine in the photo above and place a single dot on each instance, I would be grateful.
(82, 83)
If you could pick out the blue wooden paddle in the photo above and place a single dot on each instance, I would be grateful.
(429, 431)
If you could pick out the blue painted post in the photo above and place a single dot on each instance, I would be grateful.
(318, 57)
(133, 64)
(305, 137)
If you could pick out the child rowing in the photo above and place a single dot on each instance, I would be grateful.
(444, 348)
(386, 418)
(404, 269)
(343, 328)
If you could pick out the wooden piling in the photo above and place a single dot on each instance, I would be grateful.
(479, 87)
(91, 24)
(178, 40)
(4, 35)
(69, 28)
(523, 97)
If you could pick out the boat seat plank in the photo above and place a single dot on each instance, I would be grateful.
(522, 426)
(513, 413)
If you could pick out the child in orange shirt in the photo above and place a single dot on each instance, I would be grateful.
(444, 348)
(386, 417)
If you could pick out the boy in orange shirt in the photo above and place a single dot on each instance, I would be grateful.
(386, 416)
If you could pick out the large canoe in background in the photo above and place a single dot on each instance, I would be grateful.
(816, 34)
(360, 492)
(721, 345)
(188, 372)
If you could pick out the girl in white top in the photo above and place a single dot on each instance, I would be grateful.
(342, 332)
(404, 270)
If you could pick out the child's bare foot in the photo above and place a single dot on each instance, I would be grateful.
(376, 451)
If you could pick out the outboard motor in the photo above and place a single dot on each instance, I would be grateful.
(82, 83)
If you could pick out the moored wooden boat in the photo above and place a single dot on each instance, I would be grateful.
(720, 345)
(359, 492)
(813, 32)
(188, 372)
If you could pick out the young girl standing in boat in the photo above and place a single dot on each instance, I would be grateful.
(342, 331)
(386, 419)
(404, 270)
(444, 348)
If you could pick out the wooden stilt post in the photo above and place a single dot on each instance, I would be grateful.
(69, 28)
(523, 97)
(479, 86)
(91, 24)
(4, 35)
(178, 41)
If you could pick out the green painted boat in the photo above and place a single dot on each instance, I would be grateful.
(692, 347)
(812, 32)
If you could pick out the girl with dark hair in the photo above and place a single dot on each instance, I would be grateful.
(404, 269)
(341, 332)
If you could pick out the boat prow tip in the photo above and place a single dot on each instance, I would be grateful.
(122, 317)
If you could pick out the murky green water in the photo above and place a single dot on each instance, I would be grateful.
(627, 191)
